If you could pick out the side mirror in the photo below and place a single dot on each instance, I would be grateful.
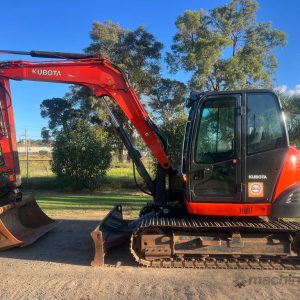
(194, 97)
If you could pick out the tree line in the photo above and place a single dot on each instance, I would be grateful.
(220, 49)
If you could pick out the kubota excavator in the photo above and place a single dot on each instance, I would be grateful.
(239, 177)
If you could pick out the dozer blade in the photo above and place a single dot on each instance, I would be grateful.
(22, 223)
(111, 232)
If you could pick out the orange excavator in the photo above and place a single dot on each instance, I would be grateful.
(224, 208)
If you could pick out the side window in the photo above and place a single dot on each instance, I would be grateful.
(216, 131)
(264, 126)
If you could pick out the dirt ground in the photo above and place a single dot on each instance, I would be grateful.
(57, 267)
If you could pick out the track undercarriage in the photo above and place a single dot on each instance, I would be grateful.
(198, 242)
(217, 243)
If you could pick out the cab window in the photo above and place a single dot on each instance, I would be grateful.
(264, 126)
(216, 132)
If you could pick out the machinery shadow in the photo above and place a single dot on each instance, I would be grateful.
(70, 243)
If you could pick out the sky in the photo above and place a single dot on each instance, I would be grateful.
(64, 25)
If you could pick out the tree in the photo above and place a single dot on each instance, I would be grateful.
(81, 155)
(225, 48)
(136, 51)
(45, 134)
(174, 129)
(58, 112)
(167, 99)
(139, 53)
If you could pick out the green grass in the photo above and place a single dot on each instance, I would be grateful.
(54, 197)
(36, 168)
(120, 178)
(41, 177)
(62, 203)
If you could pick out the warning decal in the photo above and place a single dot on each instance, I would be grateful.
(255, 189)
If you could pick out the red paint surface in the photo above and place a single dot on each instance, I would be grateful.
(228, 209)
(290, 173)
(8, 134)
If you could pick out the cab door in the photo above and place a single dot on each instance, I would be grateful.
(214, 167)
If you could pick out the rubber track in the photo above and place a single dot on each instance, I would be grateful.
(230, 262)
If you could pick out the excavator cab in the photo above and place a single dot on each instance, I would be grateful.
(21, 221)
(233, 156)
(237, 156)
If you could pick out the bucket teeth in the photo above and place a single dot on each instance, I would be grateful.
(22, 223)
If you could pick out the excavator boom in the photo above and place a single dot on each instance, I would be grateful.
(104, 79)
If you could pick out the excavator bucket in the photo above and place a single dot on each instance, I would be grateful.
(111, 232)
(22, 223)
